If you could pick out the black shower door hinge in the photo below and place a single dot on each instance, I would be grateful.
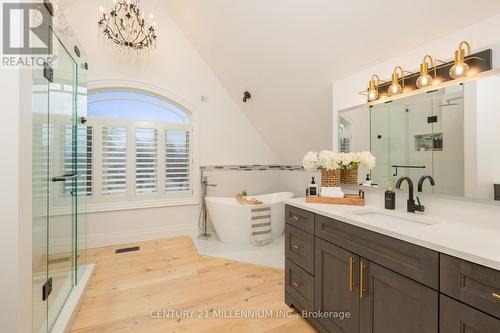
(48, 72)
(47, 289)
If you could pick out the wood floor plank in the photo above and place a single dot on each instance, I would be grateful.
(129, 291)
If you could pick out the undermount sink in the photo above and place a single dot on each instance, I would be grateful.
(392, 218)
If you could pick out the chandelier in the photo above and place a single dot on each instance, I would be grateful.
(125, 26)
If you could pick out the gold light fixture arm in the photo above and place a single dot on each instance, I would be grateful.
(374, 83)
(467, 45)
(402, 72)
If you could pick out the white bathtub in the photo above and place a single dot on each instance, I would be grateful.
(232, 221)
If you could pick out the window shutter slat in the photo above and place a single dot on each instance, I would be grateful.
(114, 160)
(83, 161)
(177, 161)
(146, 160)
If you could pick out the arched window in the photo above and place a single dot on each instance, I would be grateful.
(140, 146)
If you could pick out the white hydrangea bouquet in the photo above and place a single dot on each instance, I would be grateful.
(338, 168)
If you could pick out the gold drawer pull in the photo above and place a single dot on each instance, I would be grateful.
(296, 247)
(495, 296)
(362, 289)
(295, 218)
(351, 262)
(295, 284)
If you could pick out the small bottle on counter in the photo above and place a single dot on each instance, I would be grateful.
(313, 188)
(390, 197)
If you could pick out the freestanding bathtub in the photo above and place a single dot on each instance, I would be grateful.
(232, 220)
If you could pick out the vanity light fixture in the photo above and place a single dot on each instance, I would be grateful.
(395, 88)
(372, 91)
(425, 79)
(460, 68)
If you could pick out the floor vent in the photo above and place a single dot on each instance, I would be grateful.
(128, 249)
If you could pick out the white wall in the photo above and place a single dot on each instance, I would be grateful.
(488, 135)
(225, 134)
(15, 201)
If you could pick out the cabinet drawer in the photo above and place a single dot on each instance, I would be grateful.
(300, 218)
(299, 248)
(299, 284)
(470, 283)
(410, 260)
(456, 317)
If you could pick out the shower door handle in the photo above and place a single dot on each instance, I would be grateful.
(65, 177)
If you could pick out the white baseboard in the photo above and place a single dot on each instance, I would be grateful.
(141, 235)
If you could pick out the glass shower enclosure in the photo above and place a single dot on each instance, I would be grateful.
(60, 179)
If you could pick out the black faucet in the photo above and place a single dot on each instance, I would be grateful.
(422, 180)
(411, 206)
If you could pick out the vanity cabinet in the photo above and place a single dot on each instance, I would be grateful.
(393, 303)
(472, 284)
(456, 317)
(336, 282)
(385, 284)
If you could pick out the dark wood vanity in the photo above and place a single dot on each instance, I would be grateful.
(385, 284)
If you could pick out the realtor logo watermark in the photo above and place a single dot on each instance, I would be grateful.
(26, 35)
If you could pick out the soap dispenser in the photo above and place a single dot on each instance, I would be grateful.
(313, 188)
(390, 197)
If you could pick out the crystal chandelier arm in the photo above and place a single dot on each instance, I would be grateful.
(125, 27)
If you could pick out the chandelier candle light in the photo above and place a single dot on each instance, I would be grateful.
(126, 27)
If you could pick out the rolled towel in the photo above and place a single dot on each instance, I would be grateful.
(261, 226)
(332, 192)
(336, 195)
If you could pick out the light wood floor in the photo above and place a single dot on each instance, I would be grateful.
(169, 275)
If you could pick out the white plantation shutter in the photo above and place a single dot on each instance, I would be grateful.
(83, 159)
(114, 160)
(177, 161)
(146, 159)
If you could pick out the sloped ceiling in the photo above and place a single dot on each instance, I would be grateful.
(288, 52)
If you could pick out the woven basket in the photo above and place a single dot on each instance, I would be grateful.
(330, 178)
(349, 176)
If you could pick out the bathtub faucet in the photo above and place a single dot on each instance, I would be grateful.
(202, 220)
(204, 182)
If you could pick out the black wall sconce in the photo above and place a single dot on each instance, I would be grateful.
(246, 96)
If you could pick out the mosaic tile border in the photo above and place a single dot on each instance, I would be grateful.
(251, 167)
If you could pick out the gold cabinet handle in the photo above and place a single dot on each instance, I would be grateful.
(296, 247)
(295, 218)
(295, 284)
(362, 289)
(351, 262)
(496, 296)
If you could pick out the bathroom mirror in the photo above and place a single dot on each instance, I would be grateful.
(451, 134)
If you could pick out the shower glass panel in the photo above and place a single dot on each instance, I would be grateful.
(62, 178)
(83, 184)
(61, 182)
(40, 144)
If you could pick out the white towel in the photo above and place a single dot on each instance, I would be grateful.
(261, 226)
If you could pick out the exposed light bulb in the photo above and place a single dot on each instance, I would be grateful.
(459, 70)
(372, 95)
(424, 81)
(395, 89)
(151, 16)
(101, 9)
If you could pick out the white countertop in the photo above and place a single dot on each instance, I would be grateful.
(476, 243)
